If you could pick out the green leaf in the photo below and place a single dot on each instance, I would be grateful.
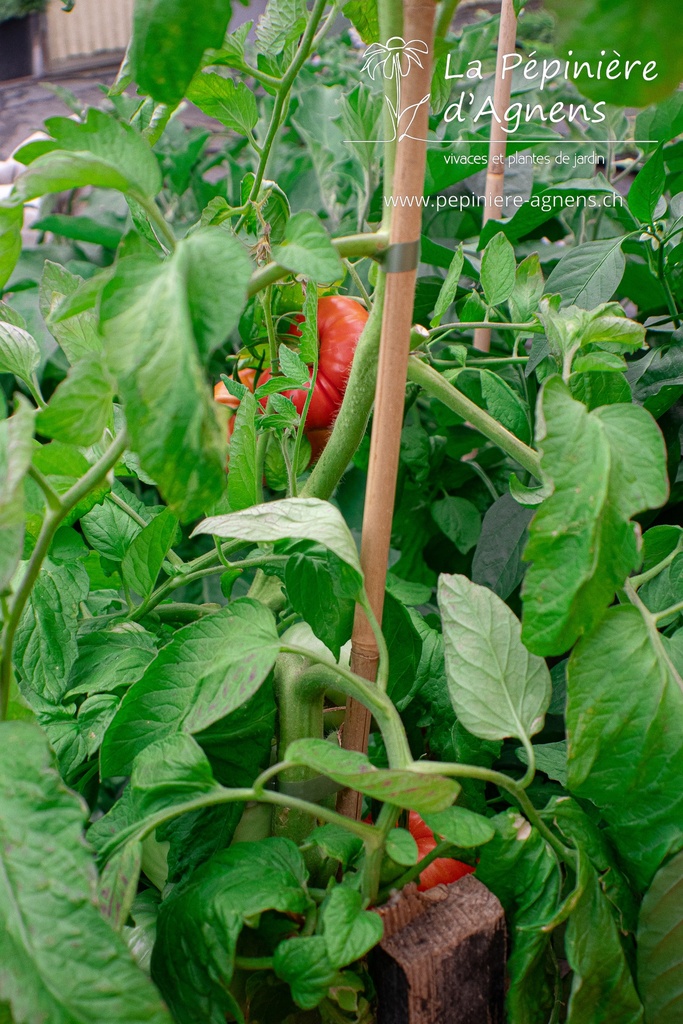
(528, 289)
(521, 869)
(364, 16)
(292, 365)
(303, 963)
(280, 26)
(461, 827)
(109, 529)
(497, 688)
(306, 249)
(401, 847)
(334, 842)
(498, 270)
(323, 590)
(349, 931)
(201, 919)
(233, 104)
(589, 274)
(449, 287)
(11, 222)
(459, 519)
(489, 391)
(111, 659)
(45, 646)
(160, 322)
(551, 758)
(16, 448)
(75, 334)
(647, 188)
(82, 229)
(602, 986)
(421, 793)
(81, 406)
(497, 562)
(597, 388)
(660, 940)
(119, 884)
(169, 39)
(19, 352)
(625, 743)
(582, 545)
(209, 669)
(145, 556)
(300, 518)
(244, 488)
(101, 151)
(56, 949)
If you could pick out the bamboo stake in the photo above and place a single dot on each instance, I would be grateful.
(392, 370)
(495, 174)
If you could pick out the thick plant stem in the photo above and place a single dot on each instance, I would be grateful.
(408, 182)
(445, 17)
(495, 174)
(299, 696)
(54, 517)
(349, 426)
(434, 384)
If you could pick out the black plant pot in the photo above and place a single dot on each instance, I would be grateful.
(15, 48)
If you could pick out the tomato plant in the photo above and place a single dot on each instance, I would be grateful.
(174, 662)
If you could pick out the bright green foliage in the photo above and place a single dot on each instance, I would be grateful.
(660, 934)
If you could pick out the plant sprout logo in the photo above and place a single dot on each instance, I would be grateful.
(393, 60)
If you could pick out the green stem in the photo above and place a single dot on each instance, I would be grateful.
(644, 577)
(445, 17)
(661, 274)
(282, 96)
(382, 680)
(414, 872)
(434, 384)
(349, 427)
(157, 220)
(302, 424)
(390, 16)
(368, 243)
(469, 771)
(267, 304)
(254, 963)
(468, 325)
(173, 558)
(53, 500)
(355, 276)
(53, 519)
(673, 609)
(36, 394)
(372, 865)
(381, 706)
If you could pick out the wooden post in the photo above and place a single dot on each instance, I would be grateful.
(442, 958)
(495, 174)
(406, 221)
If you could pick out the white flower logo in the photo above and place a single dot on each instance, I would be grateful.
(393, 60)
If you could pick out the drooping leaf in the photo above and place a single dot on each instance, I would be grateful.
(459, 519)
(660, 940)
(200, 921)
(11, 222)
(76, 334)
(323, 589)
(421, 793)
(449, 287)
(461, 827)
(625, 743)
(589, 274)
(160, 322)
(582, 544)
(300, 518)
(244, 488)
(497, 687)
(101, 151)
(497, 562)
(111, 659)
(56, 949)
(602, 987)
(209, 669)
(521, 869)
(647, 188)
(169, 40)
(304, 964)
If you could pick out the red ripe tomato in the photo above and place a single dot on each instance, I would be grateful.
(340, 323)
(443, 869)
